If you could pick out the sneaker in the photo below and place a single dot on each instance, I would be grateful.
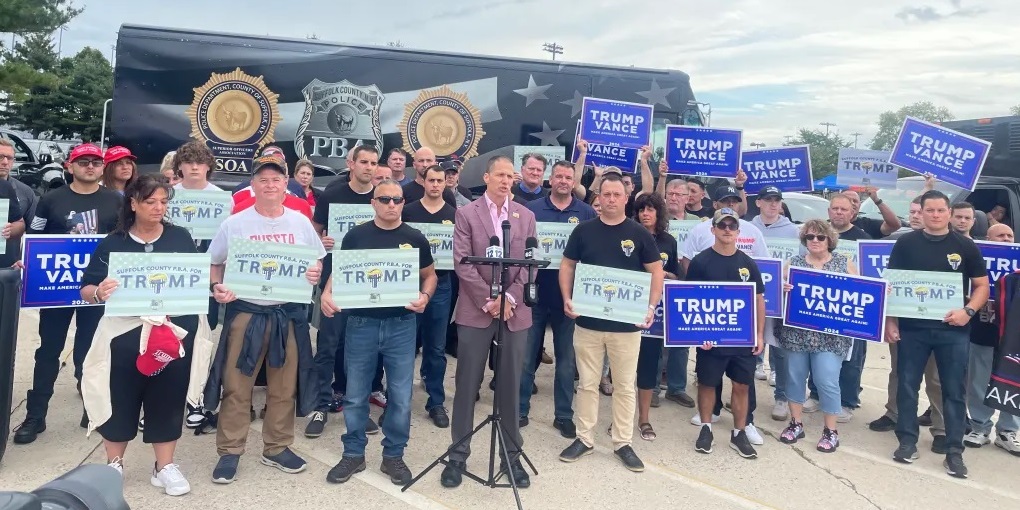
(781, 411)
(706, 440)
(316, 425)
(196, 415)
(575, 451)
(759, 372)
(883, 424)
(845, 415)
(696, 419)
(378, 399)
(546, 358)
(84, 422)
(792, 433)
(906, 454)
(938, 445)
(226, 469)
(566, 427)
(772, 378)
(740, 443)
(976, 439)
(399, 473)
(171, 480)
(345, 469)
(439, 417)
(811, 405)
(829, 441)
(29, 430)
(630, 459)
(337, 404)
(1008, 441)
(925, 419)
(286, 461)
(753, 435)
(655, 400)
(681, 398)
(370, 426)
(141, 424)
(954, 465)
(118, 464)
(522, 422)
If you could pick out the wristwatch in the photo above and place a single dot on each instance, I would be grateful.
(970, 311)
(212, 286)
(95, 296)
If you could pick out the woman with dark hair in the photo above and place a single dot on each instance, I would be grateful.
(304, 172)
(119, 169)
(651, 213)
(142, 362)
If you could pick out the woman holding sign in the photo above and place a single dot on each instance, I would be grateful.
(814, 352)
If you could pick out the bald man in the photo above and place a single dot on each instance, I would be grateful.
(415, 190)
(1000, 232)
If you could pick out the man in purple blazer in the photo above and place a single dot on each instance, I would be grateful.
(477, 315)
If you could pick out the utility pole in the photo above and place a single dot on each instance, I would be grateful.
(788, 139)
(553, 48)
(827, 126)
(113, 48)
(757, 145)
(855, 135)
(60, 40)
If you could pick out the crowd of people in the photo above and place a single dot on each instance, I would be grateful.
(184, 377)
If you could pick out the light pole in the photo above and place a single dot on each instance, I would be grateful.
(553, 48)
(788, 138)
(827, 126)
(855, 135)
(708, 112)
(60, 40)
(757, 145)
(102, 131)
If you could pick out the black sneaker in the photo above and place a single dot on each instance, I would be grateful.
(575, 451)
(439, 417)
(196, 415)
(954, 465)
(905, 454)
(883, 424)
(345, 469)
(742, 445)
(630, 459)
(566, 427)
(705, 440)
(925, 419)
(29, 430)
(337, 404)
(226, 469)
(938, 445)
(681, 398)
(317, 424)
(453, 474)
(521, 477)
(286, 461)
(370, 427)
(523, 422)
(399, 473)
(84, 423)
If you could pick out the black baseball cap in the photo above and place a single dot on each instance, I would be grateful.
(724, 192)
(770, 191)
(450, 165)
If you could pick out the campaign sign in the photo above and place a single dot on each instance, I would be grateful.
(611, 294)
(680, 229)
(788, 168)
(848, 249)
(5, 205)
(199, 211)
(599, 154)
(703, 151)
(837, 304)
(552, 240)
(720, 313)
(1000, 259)
(873, 257)
(440, 237)
(54, 266)
(551, 155)
(376, 278)
(784, 248)
(159, 284)
(655, 330)
(862, 167)
(772, 276)
(948, 155)
(254, 273)
(928, 295)
(616, 122)
(343, 217)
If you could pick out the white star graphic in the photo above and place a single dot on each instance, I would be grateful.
(533, 92)
(657, 95)
(548, 136)
(574, 104)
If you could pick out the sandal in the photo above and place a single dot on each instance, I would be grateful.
(647, 432)
(606, 387)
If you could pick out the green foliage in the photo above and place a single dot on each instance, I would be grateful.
(1015, 110)
(890, 122)
(824, 150)
(35, 16)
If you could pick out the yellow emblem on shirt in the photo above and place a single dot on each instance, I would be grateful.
(405, 246)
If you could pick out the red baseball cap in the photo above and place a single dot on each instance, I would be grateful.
(163, 347)
(86, 149)
(117, 153)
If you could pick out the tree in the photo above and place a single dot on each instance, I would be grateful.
(35, 16)
(890, 122)
(824, 150)
(1015, 110)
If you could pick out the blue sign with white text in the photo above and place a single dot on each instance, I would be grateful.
(950, 156)
(625, 158)
(787, 168)
(837, 304)
(655, 331)
(772, 276)
(54, 266)
(873, 257)
(619, 123)
(720, 313)
(1000, 259)
(704, 152)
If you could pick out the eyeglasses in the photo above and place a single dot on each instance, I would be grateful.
(385, 200)
(728, 225)
(4, 157)
(813, 237)
(85, 163)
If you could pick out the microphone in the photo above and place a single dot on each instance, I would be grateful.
(495, 252)
(506, 237)
(530, 289)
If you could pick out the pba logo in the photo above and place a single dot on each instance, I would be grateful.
(157, 281)
(954, 260)
(745, 274)
(547, 244)
(447, 222)
(435, 243)
(374, 275)
(663, 256)
(444, 121)
(337, 118)
(573, 220)
(405, 246)
(609, 292)
(921, 293)
(189, 212)
(627, 246)
(269, 268)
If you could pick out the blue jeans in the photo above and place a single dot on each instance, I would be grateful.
(366, 340)
(777, 361)
(432, 326)
(563, 348)
(979, 372)
(849, 376)
(328, 357)
(676, 369)
(825, 367)
(951, 349)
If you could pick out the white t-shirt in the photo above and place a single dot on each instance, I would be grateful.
(751, 240)
(290, 228)
(208, 186)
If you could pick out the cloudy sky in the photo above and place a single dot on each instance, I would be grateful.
(766, 66)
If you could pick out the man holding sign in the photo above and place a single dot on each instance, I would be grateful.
(938, 249)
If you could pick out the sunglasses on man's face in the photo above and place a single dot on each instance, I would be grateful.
(85, 163)
(814, 237)
(728, 225)
(385, 200)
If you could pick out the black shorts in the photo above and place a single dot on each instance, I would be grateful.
(711, 367)
(648, 363)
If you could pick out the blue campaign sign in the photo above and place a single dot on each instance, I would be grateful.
(950, 156)
(721, 313)
(704, 152)
(625, 158)
(788, 168)
(836, 303)
(54, 265)
(772, 276)
(617, 123)
(656, 330)
(873, 257)
(1000, 259)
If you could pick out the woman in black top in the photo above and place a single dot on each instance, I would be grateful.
(651, 213)
(163, 393)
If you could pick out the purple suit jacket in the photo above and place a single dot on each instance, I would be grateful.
(471, 233)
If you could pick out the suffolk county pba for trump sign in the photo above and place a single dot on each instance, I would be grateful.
(838, 304)
(702, 151)
(723, 314)
(617, 123)
(159, 284)
(611, 294)
(253, 272)
(950, 156)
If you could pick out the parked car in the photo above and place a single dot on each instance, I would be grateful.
(38, 170)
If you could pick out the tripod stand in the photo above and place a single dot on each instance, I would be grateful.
(499, 437)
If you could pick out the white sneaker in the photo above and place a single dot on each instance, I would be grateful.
(759, 372)
(845, 415)
(171, 480)
(781, 411)
(1008, 441)
(753, 435)
(118, 464)
(811, 406)
(976, 439)
(772, 378)
(196, 416)
(696, 419)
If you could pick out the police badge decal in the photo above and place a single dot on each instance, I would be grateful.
(235, 114)
(337, 118)
(444, 121)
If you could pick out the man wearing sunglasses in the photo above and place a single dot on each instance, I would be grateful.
(82, 207)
